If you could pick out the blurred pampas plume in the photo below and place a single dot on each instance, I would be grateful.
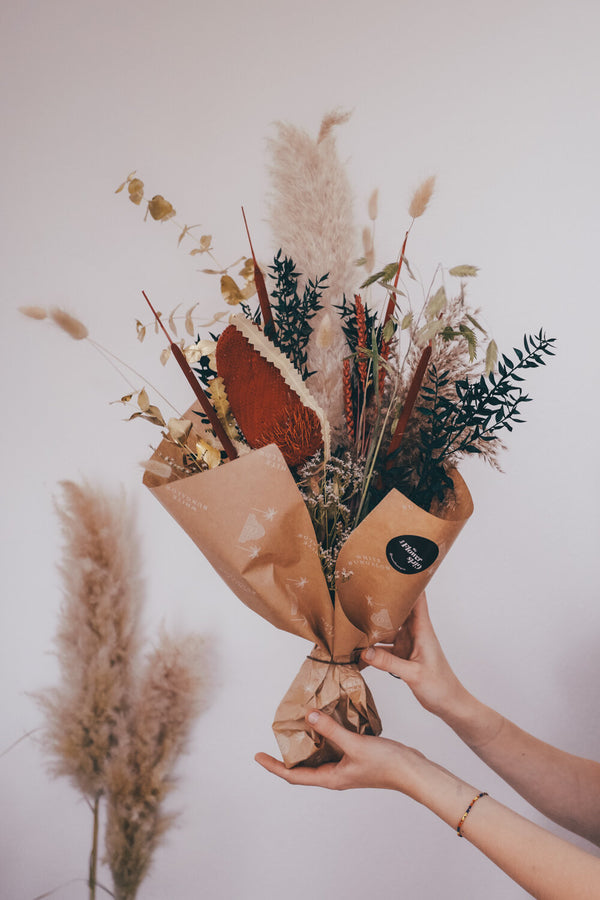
(106, 715)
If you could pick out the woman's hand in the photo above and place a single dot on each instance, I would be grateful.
(418, 659)
(367, 762)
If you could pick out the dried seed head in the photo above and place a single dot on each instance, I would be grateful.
(421, 198)
(324, 335)
(373, 204)
(160, 469)
(68, 323)
(34, 312)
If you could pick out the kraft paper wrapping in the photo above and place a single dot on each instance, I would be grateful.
(249, 520)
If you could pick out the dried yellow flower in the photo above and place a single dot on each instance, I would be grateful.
(136, 190)
(179, 429)
(208, 454)
(421, 198)
(160, 209)
(230, 291)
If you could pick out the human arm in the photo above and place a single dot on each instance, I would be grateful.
(564, 787)
(543, 864)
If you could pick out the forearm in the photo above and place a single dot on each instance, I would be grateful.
(563, 787)
(543, 864)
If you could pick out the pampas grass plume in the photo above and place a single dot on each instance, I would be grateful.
(170, 696)
(97, 635)
(312, 220)
(421, 198)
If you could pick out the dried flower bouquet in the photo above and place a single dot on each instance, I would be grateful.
(318, 470)
(343, 426)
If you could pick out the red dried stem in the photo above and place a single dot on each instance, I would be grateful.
(392, 301)
(361, 326)
(383, 355)
(261, 288)
(348, 400)
(197, 388)
(411, 398)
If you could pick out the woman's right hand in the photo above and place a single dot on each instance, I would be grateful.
(418, 659)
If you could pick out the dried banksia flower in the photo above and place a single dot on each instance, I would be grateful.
(69, 323)
(421, 198)
(97, 635)
(141, 771)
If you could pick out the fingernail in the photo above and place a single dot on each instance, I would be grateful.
(369, 653)
(313, 717)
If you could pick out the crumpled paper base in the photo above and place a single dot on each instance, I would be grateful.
(338, 690)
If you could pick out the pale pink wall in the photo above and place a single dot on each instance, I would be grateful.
(500, 99)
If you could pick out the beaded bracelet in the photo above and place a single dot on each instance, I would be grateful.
(468, 810)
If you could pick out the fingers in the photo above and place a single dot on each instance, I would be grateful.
(324, 775)
(385, 661)
(299, 775)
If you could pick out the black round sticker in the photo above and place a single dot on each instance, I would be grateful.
(410, 554)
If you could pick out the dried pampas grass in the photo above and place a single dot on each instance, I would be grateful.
(141, 771)
(114, 731)
(311, 215)
(97, 636)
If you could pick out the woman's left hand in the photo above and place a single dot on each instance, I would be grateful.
(367, 762)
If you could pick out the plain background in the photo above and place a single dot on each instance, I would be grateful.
(500, 100)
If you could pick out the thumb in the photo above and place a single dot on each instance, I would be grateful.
(330, 729)
(387, 662)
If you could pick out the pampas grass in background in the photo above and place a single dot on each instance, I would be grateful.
(115, 726)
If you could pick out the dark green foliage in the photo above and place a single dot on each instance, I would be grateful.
(350, 328)
(455, 422)
(291, 313)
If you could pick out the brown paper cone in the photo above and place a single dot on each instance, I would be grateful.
(337, 689)
(249, 519)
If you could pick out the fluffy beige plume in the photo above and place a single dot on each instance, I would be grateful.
(421, 198)
(312, 220)
(97, 635)
(330, 120)
(141, 771)
(69, 323)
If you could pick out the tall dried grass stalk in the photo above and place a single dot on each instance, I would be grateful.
(311, 216)
(97, 636)
(141, 771)
(112, 732)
